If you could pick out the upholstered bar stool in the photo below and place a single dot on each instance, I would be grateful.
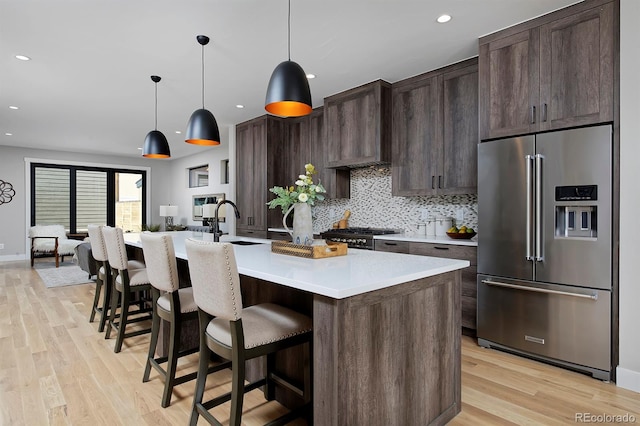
(126, 283)
(103, 275)
(170, 303)
(239, 334)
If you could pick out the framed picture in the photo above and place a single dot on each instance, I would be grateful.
(201, 200)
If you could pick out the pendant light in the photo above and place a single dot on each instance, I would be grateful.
(202, 128)
(288, 93)
(155, 144)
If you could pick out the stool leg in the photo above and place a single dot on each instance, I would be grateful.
(203, 367)
(155, 329)
(96, 298)
(115, 294)
(172, 362)
(237, 387)
(106, 300)
(124, 314)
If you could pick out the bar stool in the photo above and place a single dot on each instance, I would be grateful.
(126, 282)
(174, 305)
(239, 334)
(103, 276)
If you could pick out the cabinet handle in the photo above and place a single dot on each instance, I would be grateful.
(440, 248)
(390, 244)
(544, 112)
(440, 181)
(533, 114)
(433, 182)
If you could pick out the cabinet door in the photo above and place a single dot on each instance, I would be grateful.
(576, 69)
(509, 85)
(358, 125)
(417, 144)
(244, 175)
(337, 182)
(259, 190)
(459, 131)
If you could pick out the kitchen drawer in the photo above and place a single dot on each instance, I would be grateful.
(251, 233)
(469, 253)
(392, 246)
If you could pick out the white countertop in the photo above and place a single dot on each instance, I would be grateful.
(424, 239)
(337, 277)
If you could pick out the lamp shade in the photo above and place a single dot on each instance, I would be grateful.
(288, 93)
(209, 211)
(202, 128)
(168, 211)
(156, 145)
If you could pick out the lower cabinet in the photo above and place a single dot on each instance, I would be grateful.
(469, 286)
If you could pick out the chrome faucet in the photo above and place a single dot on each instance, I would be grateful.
(216, 228)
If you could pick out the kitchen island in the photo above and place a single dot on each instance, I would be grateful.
(386, 347)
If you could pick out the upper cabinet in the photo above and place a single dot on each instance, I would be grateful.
(553, 72)
(358, 126)
(435, 132)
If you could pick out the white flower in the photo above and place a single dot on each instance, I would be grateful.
(301, 183)
(303, 197)
(302, 177)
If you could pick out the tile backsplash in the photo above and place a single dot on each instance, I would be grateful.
(372, 205)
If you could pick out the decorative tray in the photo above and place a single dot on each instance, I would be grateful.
(311, 252)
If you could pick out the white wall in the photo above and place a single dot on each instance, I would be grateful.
(14, 217)
(628, 372)
(177, 188)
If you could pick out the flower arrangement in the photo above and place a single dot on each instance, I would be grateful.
(304, 191)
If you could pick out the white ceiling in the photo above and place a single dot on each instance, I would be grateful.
(88, 87)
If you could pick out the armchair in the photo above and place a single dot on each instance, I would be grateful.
(51, 240)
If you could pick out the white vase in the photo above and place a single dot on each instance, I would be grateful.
(302, 224)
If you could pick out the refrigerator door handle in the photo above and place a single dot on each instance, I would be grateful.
(538, 204)
(593, 296)
(528, 160)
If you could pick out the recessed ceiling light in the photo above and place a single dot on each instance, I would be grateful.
(13, 107)
(139, 149)
(8, 134)
(239, 106)
(178, 132)
(443, 18)
(311, 76)
(23, 58)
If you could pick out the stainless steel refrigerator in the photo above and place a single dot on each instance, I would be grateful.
(545, 247)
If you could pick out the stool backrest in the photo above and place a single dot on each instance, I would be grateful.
(98, 248)
(160, 258)
(214, 278)
(116, 249)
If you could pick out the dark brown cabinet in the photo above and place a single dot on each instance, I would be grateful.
(554, 72)
(255, 140)
(470, 253)
(435, 132)
(337, 182)
(358, 126)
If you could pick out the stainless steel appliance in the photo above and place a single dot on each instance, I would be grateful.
(545, 247)
(361, 238)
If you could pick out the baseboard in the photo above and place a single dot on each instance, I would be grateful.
(13, 257)
(628, 379)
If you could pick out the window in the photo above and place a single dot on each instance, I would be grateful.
(199, 176)
(76, 196)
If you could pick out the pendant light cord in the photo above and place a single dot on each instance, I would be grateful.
(289, 32)
(202, 76)
(156, 106)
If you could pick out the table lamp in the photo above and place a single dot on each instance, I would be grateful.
(168, 212)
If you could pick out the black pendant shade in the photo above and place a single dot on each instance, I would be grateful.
(202, 128)
(288, 93)
(156, 144)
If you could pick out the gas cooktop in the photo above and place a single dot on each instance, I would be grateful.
(363, 231)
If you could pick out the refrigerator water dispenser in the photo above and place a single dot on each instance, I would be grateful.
(577, 220)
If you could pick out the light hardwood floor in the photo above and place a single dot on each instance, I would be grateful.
(55, 368)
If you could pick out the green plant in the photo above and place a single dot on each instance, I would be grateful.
(304, 191)
(151, 227)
